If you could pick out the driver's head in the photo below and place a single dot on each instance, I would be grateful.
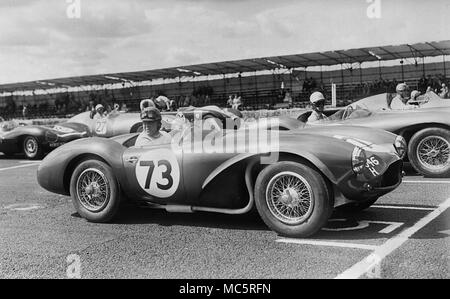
(402, 89)
(99, 108)
(317, 100)
(151, 120)
(414, 95)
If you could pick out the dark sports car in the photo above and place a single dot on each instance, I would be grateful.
(295, 181)
(426, 129)
(35, 141)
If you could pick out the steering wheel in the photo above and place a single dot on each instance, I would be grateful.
(348, 110)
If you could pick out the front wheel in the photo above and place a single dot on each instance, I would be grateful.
(293, 199)
(95, 191)
(31, 147)
(429, 152)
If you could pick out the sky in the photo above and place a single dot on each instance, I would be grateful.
(44, 39)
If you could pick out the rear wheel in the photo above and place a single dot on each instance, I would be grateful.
(31, 148)
(293, 199)
(95, 191)
(429, 152)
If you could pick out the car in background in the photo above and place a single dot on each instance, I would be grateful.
(426, 129)
(34, 141)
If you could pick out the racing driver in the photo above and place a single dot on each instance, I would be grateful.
(318, 104)
(151, 134)
(400, 101)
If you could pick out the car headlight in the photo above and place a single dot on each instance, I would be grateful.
(358, 159)
(400, 146)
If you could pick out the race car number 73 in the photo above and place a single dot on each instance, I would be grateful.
(158, 173)
(165, 175)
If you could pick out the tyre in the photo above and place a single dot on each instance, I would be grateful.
(95, 191)
(31, 148)
(356, 207)
(293, 199)
(429, 152)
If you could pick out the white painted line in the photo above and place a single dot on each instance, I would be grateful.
(425, 182)
(391, 226)
(360, 225)
(19, 166)
(390, 245)
(327, 243)
(403, 207)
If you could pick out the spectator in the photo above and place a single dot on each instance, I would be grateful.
(288, 98)
(124, 108)
(24, 111)
(443, 91)
(230, 101)
(237, 102)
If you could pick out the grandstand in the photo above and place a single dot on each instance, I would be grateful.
(261, 82)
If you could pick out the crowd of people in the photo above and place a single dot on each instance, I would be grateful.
(66, 104)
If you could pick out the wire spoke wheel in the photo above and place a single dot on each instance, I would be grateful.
(93, 190)
(289, 198)
(31, 146)
(434, 152)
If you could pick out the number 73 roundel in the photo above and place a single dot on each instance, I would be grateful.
(158, 173)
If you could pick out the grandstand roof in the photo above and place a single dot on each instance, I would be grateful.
(425, 49)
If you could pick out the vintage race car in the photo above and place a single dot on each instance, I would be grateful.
(426, 129)
(295, 181)
(34, 141)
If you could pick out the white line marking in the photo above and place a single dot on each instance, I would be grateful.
(403, 207)
(425, 182)
(361, 225)
(391, 226)
(327, 243)
(19, 166)
(390, 245)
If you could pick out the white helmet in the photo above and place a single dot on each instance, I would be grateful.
(316, 97)
(414, 94)
(401, 87)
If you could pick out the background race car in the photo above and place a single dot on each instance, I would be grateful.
(425, 129)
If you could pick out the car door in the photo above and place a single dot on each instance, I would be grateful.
(154, 173)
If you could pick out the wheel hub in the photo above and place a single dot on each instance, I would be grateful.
(289, 197)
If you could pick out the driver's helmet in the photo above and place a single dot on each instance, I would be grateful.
(401, 87)
(316, 97)
(414, 94)
(98, 107)
(150, 114)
